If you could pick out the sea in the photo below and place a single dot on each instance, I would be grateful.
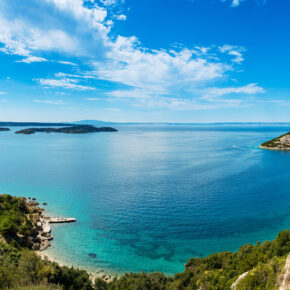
(151, 196)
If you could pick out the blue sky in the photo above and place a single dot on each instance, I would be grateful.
(145, 60)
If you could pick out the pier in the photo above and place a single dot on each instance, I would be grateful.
(61, 220)
(45, 233)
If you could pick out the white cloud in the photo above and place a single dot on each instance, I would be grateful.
(186, 104)
(31, 59)
(235, 51)
(62, 26)
(250, 89)
(93, 99)
(65, 83)
(158, 70)
(109, 2)
(65, 75)
(67, 62)
(121, 17)
(283, 103)
(170, 78)
(2, 93)
(236, 3)
(213, 99)
(51, 102)
(130, 94)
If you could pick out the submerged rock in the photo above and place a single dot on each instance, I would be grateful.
(93, 255)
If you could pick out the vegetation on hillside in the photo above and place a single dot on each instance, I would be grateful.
(274, 142)
(21, 268)
(76, 129)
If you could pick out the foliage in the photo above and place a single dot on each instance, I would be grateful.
(274, 142)
(153, 281)
(21, 268)
(264, 276)
(14, 216)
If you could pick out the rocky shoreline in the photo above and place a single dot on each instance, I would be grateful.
(281, 143)
(41, 223)
(41, 241)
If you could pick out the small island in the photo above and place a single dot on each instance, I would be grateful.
(279, 143)
(4, 129)
(81, 129)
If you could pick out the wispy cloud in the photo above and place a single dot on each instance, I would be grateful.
(250, 89)
(121, 17)
(236, 3)
(67, 62)
(31, 59)
(51, 102)
(65, 83)
(234, 51)
(109, 2)
(283, 103)
(93, 99)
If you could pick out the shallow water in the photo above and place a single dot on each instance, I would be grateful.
(151, 196)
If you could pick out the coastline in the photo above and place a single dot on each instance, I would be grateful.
(41, 248)
(274, 148)
(94, 272)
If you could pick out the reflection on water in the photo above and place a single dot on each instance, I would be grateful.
(149, 197)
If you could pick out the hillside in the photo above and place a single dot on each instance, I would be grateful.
(21, 268)
(279, 143)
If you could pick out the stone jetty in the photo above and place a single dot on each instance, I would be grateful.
(45, 232)
(41, 241)
(61, 220)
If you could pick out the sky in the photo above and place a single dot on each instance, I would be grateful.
(145, 60)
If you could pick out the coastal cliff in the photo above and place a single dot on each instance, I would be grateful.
(279, 143)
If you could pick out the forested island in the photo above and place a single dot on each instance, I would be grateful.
(80, 129)
(279, 143)
(260, 266)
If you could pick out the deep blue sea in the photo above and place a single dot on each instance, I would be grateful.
(151, 196)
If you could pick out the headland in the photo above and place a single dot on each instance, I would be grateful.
(280, 143)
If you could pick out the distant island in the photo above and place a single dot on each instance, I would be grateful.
(279, 143)
(4, 129)
(81, 129)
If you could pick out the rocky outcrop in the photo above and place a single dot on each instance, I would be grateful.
(286, 279)
(279, 143)
(4, 129)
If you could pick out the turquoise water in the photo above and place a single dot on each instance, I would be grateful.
(151, 196)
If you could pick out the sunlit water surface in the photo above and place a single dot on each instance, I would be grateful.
(151, 196)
